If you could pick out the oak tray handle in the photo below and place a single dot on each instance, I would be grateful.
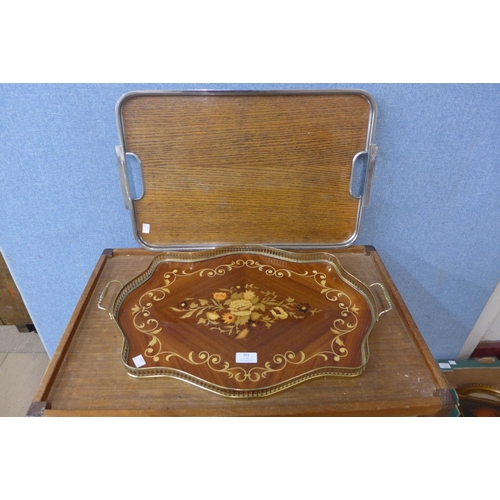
(103, 294)
(386, 296)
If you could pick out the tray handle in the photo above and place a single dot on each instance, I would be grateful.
(103, 294)
(386, 296)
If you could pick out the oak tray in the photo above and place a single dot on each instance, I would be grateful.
(86, 377)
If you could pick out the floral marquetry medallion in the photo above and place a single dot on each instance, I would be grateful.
(240, 310)
(246, 321)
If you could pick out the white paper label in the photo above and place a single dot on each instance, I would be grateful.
(139, 361)
(246, 357)
(146, 228)
(444, 365)
(452, 362)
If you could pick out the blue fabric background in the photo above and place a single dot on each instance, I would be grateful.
(434, 215)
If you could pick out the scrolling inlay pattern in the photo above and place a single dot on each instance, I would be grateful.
(240, 310)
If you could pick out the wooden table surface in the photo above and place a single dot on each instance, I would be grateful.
(87, 378)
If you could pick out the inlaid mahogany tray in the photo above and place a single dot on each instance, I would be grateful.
(245, 321)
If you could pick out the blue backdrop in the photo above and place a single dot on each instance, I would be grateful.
(434, 215)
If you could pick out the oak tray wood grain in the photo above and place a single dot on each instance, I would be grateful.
(86, 376)
(222, 168)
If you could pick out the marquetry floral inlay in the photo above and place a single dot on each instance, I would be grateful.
(240, 310)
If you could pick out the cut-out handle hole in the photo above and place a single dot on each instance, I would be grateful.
(358, 174)
(134, 170)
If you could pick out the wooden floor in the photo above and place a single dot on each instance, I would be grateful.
(23, 361)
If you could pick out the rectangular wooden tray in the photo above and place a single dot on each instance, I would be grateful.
(283, 169)
(86, 376)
